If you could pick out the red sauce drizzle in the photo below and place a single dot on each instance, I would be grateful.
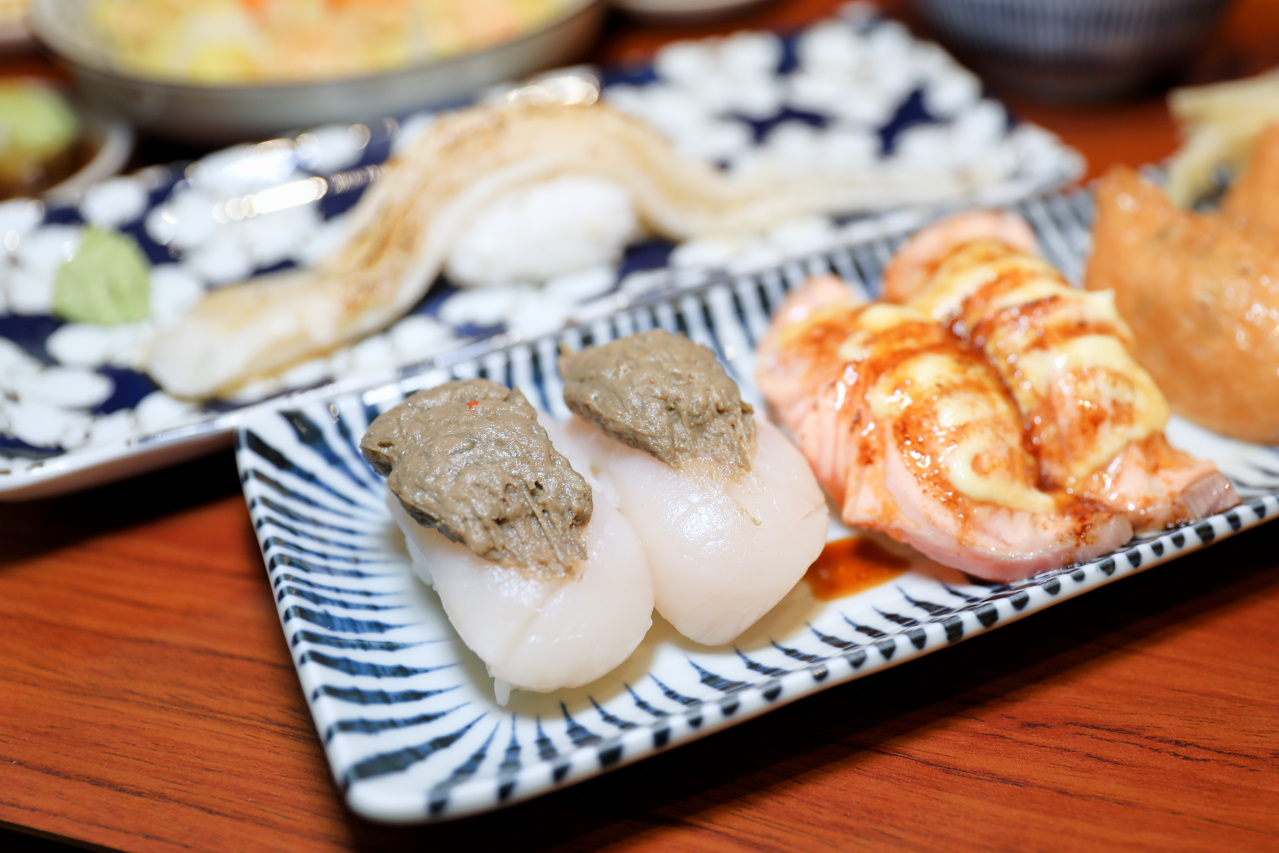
(848, 566)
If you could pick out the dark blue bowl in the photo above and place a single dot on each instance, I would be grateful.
(1073, 49)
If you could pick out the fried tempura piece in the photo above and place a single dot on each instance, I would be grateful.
(1202, 299)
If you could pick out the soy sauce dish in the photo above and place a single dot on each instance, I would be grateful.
(49, 146)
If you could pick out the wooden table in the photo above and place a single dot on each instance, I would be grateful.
(148, 701)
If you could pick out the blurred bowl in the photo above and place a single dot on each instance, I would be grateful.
(1073, 49)
(208, 115)
(683, 12)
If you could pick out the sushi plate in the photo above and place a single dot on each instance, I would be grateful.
(76, 409)
(407, 713)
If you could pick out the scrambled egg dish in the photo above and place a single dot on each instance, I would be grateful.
(259, 41)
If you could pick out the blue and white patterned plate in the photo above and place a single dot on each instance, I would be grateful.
(856, 92)
(407, 714)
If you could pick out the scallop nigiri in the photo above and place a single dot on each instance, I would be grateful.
(729, 513)
(543, 580)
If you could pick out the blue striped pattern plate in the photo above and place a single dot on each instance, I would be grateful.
(407, 713)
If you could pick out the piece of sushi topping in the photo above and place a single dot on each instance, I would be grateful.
(470, 459)
(665, 395)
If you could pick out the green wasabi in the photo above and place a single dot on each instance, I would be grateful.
(37, 128)
(108, 281)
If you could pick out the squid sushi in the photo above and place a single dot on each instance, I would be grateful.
(728, 511)
(542, 579)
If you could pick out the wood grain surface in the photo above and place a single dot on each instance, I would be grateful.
(148, 701)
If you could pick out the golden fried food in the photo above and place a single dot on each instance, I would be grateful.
(1202, 298)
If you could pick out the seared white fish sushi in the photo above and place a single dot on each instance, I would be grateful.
(728, 511)
(542, 579)
(427, 200)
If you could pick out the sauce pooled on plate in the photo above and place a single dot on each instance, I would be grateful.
(852, 565)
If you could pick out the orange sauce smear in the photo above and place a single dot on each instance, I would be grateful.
(848, 566)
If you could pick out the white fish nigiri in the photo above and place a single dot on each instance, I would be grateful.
(722, 551)
(537, 634)
(430, 197)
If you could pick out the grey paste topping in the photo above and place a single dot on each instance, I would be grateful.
(470, 459)
(665, 395)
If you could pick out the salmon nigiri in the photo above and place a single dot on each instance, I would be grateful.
(913, 434)
(1095, 417)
